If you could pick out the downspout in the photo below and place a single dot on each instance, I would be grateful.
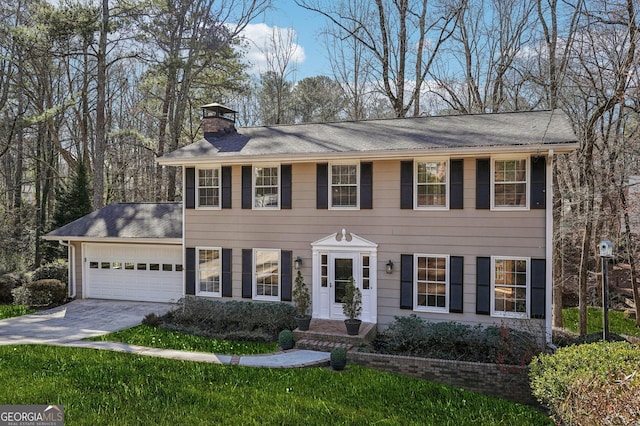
(71, 278)
(549, 249)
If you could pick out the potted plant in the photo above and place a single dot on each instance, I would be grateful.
(338, 358)
(285, 338)
(352, 307)
(302, 300)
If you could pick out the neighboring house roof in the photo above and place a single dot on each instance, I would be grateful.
(483, 132)
(131, 221)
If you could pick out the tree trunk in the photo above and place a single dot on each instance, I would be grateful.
(101, 143)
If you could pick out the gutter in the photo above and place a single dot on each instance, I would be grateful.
(549, 250)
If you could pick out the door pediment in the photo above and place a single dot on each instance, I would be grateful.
(343, 240)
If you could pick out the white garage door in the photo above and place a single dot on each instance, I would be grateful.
(143, 272)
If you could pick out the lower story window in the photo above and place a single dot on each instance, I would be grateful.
(266, 274)
(431, 283)
(208, 273)
(510, 287)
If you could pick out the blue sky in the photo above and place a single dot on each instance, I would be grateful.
(310, 57)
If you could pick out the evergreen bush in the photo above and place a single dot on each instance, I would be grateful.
(41, 293)
(597, 383)
(56, 270)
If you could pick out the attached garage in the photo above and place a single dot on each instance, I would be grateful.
(143, 272)
(126, 251)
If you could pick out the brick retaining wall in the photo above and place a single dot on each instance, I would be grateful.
(503, 381)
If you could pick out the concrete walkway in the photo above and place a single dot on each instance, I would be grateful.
(67, 325)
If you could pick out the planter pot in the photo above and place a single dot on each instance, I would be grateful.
(286, 346)
(303, 323)
(353, 326)
(338, 365)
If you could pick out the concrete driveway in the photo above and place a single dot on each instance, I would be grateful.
(76, 320)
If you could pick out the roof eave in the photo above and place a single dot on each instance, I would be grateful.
(128, 240)
(558, 148)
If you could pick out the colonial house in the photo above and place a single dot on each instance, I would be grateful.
(446, 217)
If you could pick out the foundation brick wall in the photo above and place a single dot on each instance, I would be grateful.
(503, 381)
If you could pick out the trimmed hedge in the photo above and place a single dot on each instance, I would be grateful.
(41, 293)
(56, 270)
(413, 336)
(232, 320)
(597, 383)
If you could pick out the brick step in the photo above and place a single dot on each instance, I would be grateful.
(319, 345)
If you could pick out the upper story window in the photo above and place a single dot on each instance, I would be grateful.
(431, 283)
(510, 287)
(266, 274)
(431, 178)
(208, 264)
(266, 184)
(510, 183)
(209, 188)
(344, 186)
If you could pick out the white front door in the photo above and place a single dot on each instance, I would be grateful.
(336, 259)
(342, 268)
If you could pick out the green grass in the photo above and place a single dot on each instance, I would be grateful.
(9, 311)
(108, 388)
(618, 324)
(154, 337)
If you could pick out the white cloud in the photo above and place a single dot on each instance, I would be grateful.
(259, 38)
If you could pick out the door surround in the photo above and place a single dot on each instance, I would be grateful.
(331, 246)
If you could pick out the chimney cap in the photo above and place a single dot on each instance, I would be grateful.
(218, 108)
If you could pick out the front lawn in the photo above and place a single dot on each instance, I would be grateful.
(9, 311)
(155, 337)
(102, 387)
(618, 324)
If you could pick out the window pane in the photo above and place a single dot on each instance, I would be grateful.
(344, 185)
(267, 273)
(154, 266)
(141, 266)
(209, 187)
(431, 281)
(208, 270)
(93, 265)
(266, 187)
(510, 286)
(510, 183)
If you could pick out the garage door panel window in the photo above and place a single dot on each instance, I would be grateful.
(208, 264)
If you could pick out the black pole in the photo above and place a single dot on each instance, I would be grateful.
(605, 300)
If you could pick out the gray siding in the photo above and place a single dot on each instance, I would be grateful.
(467, 232)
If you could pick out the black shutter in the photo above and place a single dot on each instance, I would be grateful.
(457, 184)
(226, 273)
(226, 187)
(322, 186)
(285, 275)
(483, 285)
(247, 273)
(483, 183)
(538, 288)
(406, 184)
(456, 288)
(538, 182)
(285, 186)
(190, 187)
(366, 186)
(406, 281)
(247, 183)
(190, 268)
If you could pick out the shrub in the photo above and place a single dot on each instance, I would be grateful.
(285, 338)
(598, 381)
(410, 335)
(7, 283)
(338, 355)
(56, 270)
(42, 293)
(226, 320)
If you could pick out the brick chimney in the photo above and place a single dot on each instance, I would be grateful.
(218, 120)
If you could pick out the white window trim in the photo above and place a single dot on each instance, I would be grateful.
(219, 206)
(330, 193)
(253, 186)
(254, 276)
(208, 293)
(503, 314)
(434, 309)
(527, 177)
(415, 183)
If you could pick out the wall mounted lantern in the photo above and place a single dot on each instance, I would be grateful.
(297, 263)
(389, 267)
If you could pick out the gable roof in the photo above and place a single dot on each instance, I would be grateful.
(518, 131)
(132, 221)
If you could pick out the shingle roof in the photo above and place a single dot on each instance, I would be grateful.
(534, 128)
(126, 220)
